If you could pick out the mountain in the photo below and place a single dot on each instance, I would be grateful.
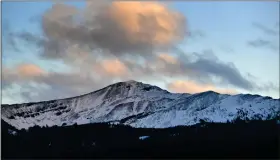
(140, 105)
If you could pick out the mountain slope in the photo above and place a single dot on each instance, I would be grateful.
(139, 105)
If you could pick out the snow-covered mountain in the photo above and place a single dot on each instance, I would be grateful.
(140, 105)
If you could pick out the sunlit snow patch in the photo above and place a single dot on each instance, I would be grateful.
(12, 132)
(143, 137)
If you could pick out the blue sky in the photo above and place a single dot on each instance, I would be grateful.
(230, 24)
(227, 26)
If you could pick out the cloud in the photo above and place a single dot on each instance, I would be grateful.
(267, 30)
(62, 85)
(21, 73)
(55, 85)
(181, 86)
(37, 84)
(168, 59)
(29, 70)
(84, 37)
(271, 42)
(203, 67)
(112, 67)
(132, 28)
(195, 34)
(226, 71)
(269, 86)
(261, 43)
(116, 28)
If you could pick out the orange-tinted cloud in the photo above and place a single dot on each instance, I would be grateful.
(29, 70)
(21, 74)
(112, 28)
(180, 86)
(168, 59)
(147, 21)
(111, 67)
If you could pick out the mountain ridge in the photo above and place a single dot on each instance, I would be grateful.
(122, 82)
(148, 105)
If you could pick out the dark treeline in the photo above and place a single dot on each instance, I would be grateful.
(239, 139)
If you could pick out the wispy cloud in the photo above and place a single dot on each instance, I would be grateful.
(196, 34)
(262, 43)
(269, 41)
(269, 31)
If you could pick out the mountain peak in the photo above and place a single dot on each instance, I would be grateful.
(131, 81)
(210, 92)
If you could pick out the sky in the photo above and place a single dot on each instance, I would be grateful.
(53, 50)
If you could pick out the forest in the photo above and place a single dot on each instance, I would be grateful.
(237, 139)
